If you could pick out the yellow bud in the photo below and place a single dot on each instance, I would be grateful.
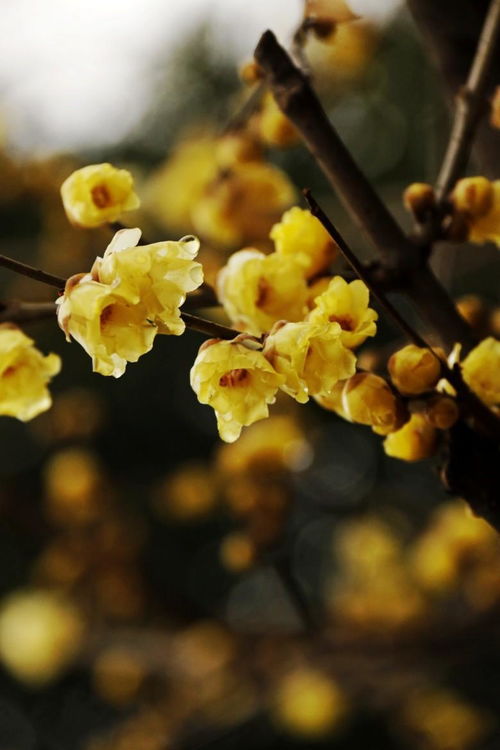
(442, 412)
(473, 195)
(481, 371)
(308, 703)
(495, 109)
(250, 72)
(415, 441)
(237, 147)
(301, 237)
(273, 127)
(494, 322)
(419, 199)
(471, 308)
(414, 370)
(98, 194)
(368, 399)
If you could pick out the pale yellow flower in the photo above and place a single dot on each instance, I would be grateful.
(414, 370)
(415, 441)
(24, 374)
(257, 290)
(346, 304)
(481, 371)
(159, 276)
(478, 200)
(242, 203)
(112, 330)
(368, 399)
(311, 358)
(97, 194)
(301, 236)
(236, 381)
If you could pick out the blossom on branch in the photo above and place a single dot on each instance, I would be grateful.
(477, 200)
(301, 237)
(24, 374)
(346, 304)
(481, 371)
(238, 382)
(414, 370)
(97, 194)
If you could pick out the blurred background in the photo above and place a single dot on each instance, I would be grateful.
(160, 589)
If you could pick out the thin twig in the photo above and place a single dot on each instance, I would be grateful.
(31, 272)
(208, 327)
(239, 119)
(470, 105)
(16, 311)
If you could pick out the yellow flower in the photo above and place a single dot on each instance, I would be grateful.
(236, 381)
(478, 200)
(419, 199)
(442, 412)
(257, 290)
(242, 203)
(179, 183)
(112, 330)
(368, 399)
(415, 441)
(311, 358)
(158, 276)
(97, 194)
(347, 305)
(24, 374)
(481, 371)
(300, 236)
(273, 127)
(414, 370)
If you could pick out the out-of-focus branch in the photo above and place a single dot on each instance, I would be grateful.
(16, 311)
(451, 29)
(470, 105)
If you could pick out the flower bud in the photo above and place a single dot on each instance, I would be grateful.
(414, 370)
(442, 412)
(419, 199)
(301, 236)
(250, 72)
(273, 127)
(415, 441)
(473, 195)
(481, 371)
(495, 109)
(368, 399)
(472, 309)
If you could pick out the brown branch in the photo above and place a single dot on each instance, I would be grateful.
(16, 311)
(208, 327)
(296, 98)
(470, 105)
(399, 254)
(31, 272)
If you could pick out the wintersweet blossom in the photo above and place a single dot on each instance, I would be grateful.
(478, 201)
(24, 375)
(112, 330)
(311, 358)
(237, 381)
(159, 276)
(346, 304)
(368, 399)
(414, 370)
(481, 371)
(301, 236)
(97, 194)
(257, 290)
(415, 441)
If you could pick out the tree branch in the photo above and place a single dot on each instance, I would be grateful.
(16, 311)
(31, 272)
(470, 105)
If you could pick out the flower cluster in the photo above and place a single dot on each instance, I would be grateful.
(131, 294)
(301, 351)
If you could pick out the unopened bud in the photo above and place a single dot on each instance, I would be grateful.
(413, 442)
(419, 199)
(473, 196)
(414, 370)
(441, 412)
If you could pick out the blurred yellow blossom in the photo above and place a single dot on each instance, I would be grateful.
(236, 381)
(308, 703)
(40, 634)
(344, 54)
(301, 236)
(188, 494)
(73, 487)
(346, 304)
(158, 276)
(257, 290)
(97, 194)
(419, 198)
(414, 441)
(311, 357)
(441, 412)
(444, 720)
(272, 126)
(242, 203)
(237, 552)
(110, 329)
(478, 200)
(481, 370)
(24, 374)
(414, 370)
(118, 675)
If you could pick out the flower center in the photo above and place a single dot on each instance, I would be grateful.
(345, 322)
(101, 196)
(105, 316)
(234, 378)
